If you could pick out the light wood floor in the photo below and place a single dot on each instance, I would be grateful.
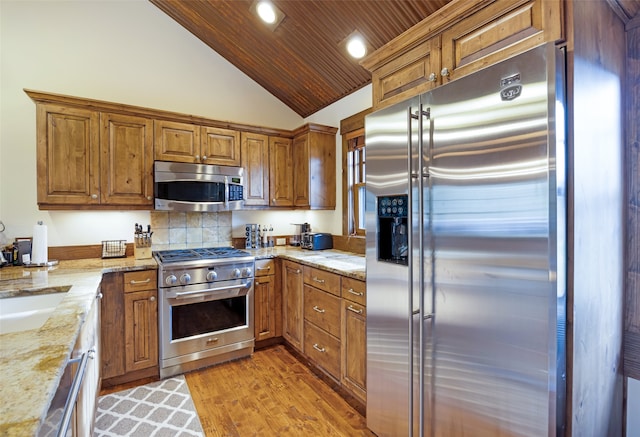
(270, 394)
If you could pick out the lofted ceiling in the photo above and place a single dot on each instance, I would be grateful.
(301, 62)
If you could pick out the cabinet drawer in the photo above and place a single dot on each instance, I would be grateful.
(265, 267)
(322, 309)
(141, 280)
(354, 290)
(329, 282)
(322, 348)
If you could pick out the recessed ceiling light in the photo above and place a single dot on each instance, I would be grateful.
(355, 45)
(268, 13)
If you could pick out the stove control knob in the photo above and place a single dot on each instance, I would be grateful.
(185, 278)
(246, 271)
(171, 280)
(235, 273)
(212, 276)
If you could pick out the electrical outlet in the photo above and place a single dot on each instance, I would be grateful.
(281, 241)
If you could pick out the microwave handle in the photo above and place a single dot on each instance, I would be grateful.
(226, 192)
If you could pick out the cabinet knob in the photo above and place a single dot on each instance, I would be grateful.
(433, 77)
(204, 157)
(149, 197)
(444, 72)
(152, 298)
(197, 157)
(94, 196)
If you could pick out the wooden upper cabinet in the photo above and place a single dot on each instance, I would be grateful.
(497, 32)
(255, 161)
(314, 163)
(185, 142)
(68, 160)
(413, 72)
(174, 141)
(462, 37)
(126, 147)
(219, 146)
(280, 172)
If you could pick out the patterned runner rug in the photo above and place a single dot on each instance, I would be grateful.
(162, 409)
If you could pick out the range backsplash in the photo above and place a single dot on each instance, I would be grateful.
(179, 230)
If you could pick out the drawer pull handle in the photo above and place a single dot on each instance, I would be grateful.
(357, 293)
(146, 281)
(264, 268)
(357, 311)
(319, 348)
(320, 310)
(320, 281)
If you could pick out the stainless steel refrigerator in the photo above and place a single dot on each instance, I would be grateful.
(466, 265)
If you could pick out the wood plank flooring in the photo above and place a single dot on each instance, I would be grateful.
(270, 394)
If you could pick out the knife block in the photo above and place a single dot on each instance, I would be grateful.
(142, 246)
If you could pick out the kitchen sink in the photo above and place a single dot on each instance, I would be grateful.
(21, 313)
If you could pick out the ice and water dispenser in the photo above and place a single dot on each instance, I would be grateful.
(393, 241)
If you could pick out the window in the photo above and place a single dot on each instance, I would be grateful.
(353, 173)
(355, 166)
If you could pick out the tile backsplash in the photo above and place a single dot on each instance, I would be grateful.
(181, 230)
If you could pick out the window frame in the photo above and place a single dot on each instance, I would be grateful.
(351, 127)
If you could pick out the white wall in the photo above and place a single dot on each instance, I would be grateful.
(125, 51)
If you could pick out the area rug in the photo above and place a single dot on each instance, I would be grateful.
(160, 409)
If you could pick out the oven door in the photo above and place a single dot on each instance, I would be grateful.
(198, 318)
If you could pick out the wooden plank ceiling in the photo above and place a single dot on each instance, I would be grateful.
(301, 62)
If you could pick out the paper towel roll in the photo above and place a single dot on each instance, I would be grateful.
(39, 249)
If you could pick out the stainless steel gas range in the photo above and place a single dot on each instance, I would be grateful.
(205, 307)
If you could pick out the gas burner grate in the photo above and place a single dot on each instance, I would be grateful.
(180, 255)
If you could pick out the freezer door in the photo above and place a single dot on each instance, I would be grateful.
(388, 160)
(498, 309)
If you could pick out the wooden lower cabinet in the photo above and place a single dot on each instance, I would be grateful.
(129, 326)
(292, 301)
(354, 337)
(354, 349)
(324, 317)
(267, 300)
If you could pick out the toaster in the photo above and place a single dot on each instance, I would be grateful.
(316, 241)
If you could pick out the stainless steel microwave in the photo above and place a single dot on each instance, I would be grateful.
(179, 186)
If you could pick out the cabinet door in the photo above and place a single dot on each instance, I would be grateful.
(68, 160)
(354, 348)
(497, 32)
(219, 146)
(126, 147)
(255, 161)
(112, 325)
(322, 169)
(141, 330)
(301, 173)
(265, 311)
(292, 320)
(407, 75)
(280, 172)
(174, 141)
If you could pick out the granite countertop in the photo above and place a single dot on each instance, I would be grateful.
(336, 261)
(32, 362)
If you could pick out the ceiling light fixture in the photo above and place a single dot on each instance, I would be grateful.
(268, 13)
(355, 45)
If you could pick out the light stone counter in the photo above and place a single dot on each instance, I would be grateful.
(336, 261)
(32, 362)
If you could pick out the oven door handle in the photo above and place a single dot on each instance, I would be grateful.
(187, 294)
